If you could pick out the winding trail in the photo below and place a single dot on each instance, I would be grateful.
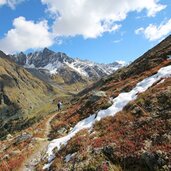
(35, 157)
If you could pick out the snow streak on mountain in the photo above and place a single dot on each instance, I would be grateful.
(53, 62)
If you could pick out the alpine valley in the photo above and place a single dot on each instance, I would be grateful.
(115, 117)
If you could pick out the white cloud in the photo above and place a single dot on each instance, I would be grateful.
(2, 2)
(153, 32)
(139, 30)
(11, 3)
(117, 41)
(91, 18)
(26, 35)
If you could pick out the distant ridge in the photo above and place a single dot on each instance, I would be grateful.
(53, 62)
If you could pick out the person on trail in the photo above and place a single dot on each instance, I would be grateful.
(59, 105)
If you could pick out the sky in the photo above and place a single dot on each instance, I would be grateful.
(103, 31)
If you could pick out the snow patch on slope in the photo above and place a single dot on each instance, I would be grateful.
(83, 67)
(77, 67)
(29, 66)
(52, 67)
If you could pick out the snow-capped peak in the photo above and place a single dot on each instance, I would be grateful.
(53, 62)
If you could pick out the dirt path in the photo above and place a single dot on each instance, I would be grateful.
(40, 148)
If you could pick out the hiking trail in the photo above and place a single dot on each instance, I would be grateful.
(31, 161)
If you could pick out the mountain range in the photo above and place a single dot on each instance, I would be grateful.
(61, 65)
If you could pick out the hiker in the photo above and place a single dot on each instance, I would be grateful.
(59, 105)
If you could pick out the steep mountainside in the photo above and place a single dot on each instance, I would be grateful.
(21, 96)
(147, 61)
(51, 63)
(138, 137)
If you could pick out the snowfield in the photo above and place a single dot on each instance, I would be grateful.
(118, 104)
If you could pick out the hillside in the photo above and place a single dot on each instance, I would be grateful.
(134, 133)
(23, 98)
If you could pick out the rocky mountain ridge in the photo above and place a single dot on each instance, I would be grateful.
(54, 63)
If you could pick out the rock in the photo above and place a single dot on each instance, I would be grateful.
(165, 168)
(3, 147)
(62, 130)
(96, 95)
(147, 144)
(22, 138)
(153, 160)
(99, 93)
(6, 100)
(108, 150)
(167, 137)
(9, 137)
(137, 111)
(16, 152)
(6, 156)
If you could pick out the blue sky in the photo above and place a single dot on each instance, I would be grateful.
(99, 30)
